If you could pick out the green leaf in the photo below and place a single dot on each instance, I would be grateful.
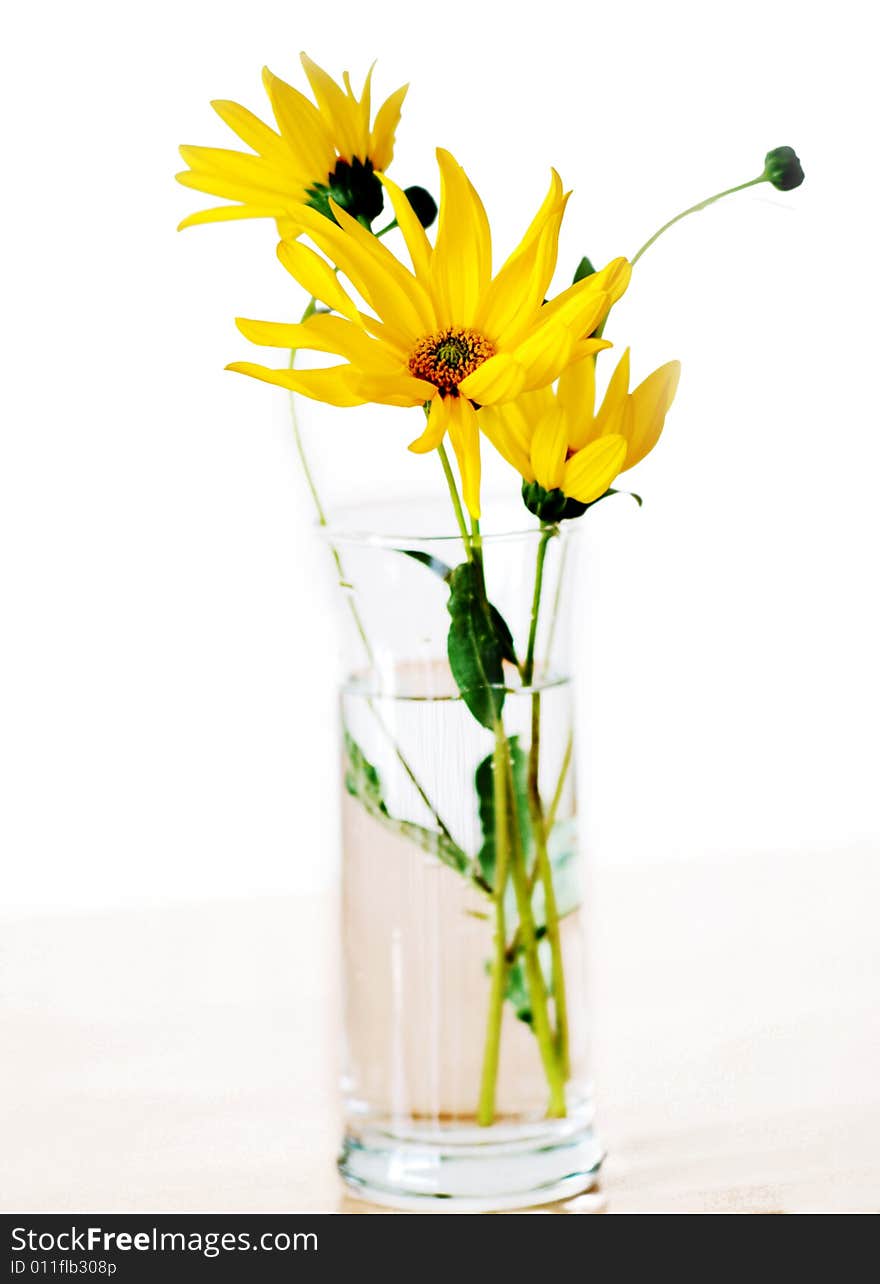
(440, 569)
(517, 989)
(362, 779)
(612, 491)
(517, 992)
(583, 270)
(484, 782)
(475, 647)
(445, 573)
(435, 843)
(505, 637)
(632, 494)
(363, 782)
(562, 850)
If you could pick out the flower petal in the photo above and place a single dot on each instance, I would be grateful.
(590, 472)
(577, 396)
(435, 428)
(236, 177)
(366, 95)
(610, 282)
(520, 286)
(302, 126)
(579, 310)
(332, 385)
(549, 204)
(549, 448)
(326, 334)
(650, 402)
(509, 434)
(464, 434)
(544, 353)
(391, 389)
(616, 279)
(412, 296)
(413, 233)
(500, 378)
(589, 347)
(462, 261)
(340, 109)
(251, 130)
(395, 294)
(610, 412)
(317, 277)
(223, 213)
(384, 129)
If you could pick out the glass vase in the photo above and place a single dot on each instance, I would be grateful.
(465, 1065)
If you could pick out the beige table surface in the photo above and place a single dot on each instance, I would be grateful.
(181, 1058)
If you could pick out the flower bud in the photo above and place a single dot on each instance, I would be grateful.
(550, 505)
(783, 169)
(423, 204)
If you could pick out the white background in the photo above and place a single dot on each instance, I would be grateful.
(167, 637)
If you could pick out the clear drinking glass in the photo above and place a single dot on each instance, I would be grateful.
(465, 1068)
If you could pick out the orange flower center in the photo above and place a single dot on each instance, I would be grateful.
(449, 356)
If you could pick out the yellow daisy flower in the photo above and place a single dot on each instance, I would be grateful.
(448, 334)
(319, 153)
(567, 454)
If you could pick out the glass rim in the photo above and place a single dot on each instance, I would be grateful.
(352, 526)
(379, 539)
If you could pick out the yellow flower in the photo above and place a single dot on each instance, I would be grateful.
(557, 441)
(319, 152)
(448, 334)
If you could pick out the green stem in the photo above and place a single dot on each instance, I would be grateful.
(495, 1015)
(477, 539)
(456, 502)
(540, 829)
(557, 601)
(547, 533)
(550, 820)
(544, 871)
(503, 828)
(553, 1069)
(701, 205)
(513, 860)
(477, 553)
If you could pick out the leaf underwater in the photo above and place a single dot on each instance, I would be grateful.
(484, 782)
(562, 852)
(363, 782)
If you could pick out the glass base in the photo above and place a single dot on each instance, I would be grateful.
(467, 1169)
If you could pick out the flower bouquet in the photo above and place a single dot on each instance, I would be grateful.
(466, 1078)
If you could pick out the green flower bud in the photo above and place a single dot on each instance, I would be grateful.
(556, 506)
(423, 204)
(783, 169)
(550, 505)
